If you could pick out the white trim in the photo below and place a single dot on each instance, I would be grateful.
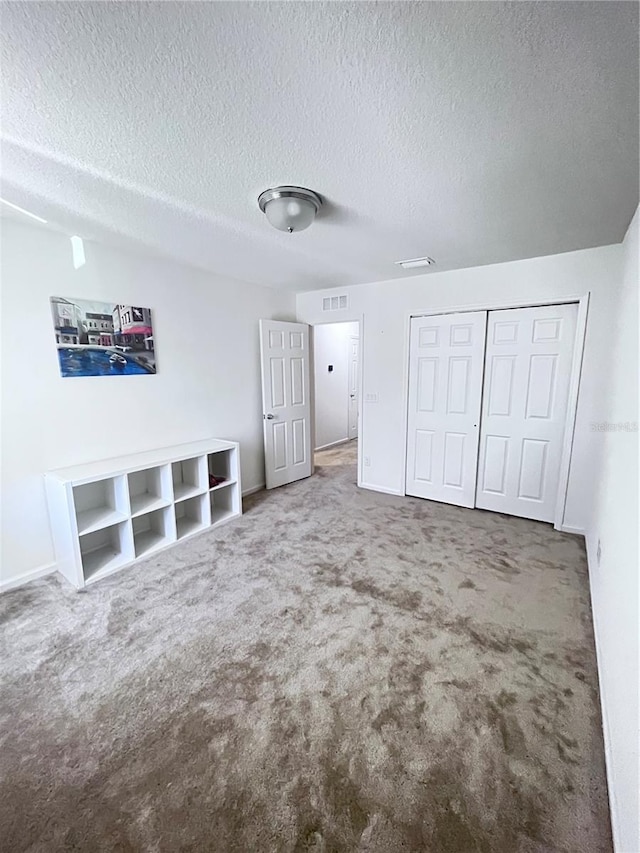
(312, 392)
(359, 473)
(592, 566)
(253, 489)
(500, 306)
(406, 355)
(567, 528)
(572, 410)
(350, 341)
(334, 444)
(27, 577)
(572, 403)
(382, 489)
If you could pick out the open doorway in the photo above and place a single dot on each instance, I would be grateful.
(336, 377)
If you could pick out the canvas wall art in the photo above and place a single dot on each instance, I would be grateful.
(102, 339)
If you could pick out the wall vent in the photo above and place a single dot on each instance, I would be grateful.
(335, 303)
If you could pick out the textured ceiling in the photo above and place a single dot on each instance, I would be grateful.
(471, 132)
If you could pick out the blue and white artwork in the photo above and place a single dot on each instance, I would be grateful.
(102, 339)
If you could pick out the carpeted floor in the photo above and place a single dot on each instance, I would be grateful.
(339, 670)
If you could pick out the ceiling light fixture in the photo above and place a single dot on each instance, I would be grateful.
(290, 208)
(22, 210)
(415, 262)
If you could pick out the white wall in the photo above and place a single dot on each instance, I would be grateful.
(614, 579)
(208, 380)
(331, 390)
(386, 307)
(602, 498)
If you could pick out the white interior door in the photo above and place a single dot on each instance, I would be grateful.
(284, 352)
(354, 352)
(445, 385)
(527, 376)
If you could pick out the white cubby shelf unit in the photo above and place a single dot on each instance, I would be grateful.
(108, 514)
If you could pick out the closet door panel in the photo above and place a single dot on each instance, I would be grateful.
(445, 384)
(527, 374)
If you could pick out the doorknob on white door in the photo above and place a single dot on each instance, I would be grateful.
(269, 417)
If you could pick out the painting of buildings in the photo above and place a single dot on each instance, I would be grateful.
(102, 339)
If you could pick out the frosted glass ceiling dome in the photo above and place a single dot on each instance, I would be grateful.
(290, 208)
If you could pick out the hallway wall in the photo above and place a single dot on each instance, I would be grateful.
(331, 348)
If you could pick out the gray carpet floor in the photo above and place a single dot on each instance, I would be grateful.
(339, 670)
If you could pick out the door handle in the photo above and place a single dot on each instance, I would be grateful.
(269, 417)
(352, 396)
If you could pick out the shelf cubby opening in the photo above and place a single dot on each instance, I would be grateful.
(189, 477)
(105, 550)
(152, 530)
(191, 515)
(223, 503)
(100, 504)
(149, 489)
(221, 467)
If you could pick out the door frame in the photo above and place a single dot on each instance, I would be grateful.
(574, 385)
(356, 318)
(351, 339)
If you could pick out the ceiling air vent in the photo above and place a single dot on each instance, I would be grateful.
(412, 263)
(335, 303)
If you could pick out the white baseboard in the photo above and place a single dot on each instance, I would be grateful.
(333, 444)
(606, 729)
(382, 489)
(252, 490)
(27, 577)
(567, 528)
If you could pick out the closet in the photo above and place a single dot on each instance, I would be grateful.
(488, 396)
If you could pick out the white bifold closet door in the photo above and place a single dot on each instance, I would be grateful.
(445, 386)
(526, 387)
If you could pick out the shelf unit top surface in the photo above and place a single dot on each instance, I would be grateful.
(137, 461)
